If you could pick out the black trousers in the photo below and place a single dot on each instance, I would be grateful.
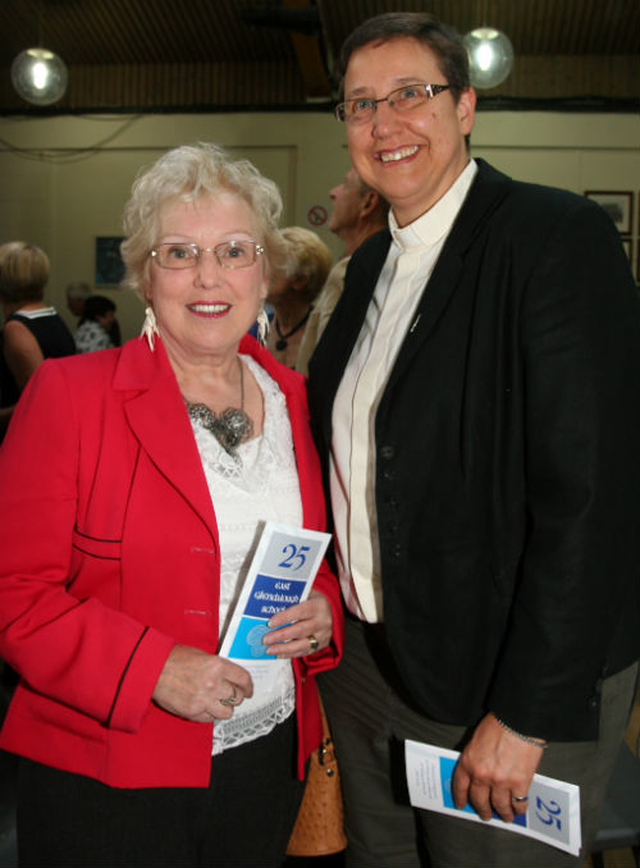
(370, 716)
(243, 819)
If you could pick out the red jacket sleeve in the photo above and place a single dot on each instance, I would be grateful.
(78, 651)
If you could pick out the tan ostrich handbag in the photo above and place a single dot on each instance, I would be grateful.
(318, 830)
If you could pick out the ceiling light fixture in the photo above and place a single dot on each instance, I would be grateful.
(39, 76)
(490, 53)
(490, 56)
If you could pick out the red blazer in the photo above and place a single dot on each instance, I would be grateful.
(110, 556)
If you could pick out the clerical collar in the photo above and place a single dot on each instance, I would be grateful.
(434, 224)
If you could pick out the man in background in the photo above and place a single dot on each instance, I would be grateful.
(358, 213)
(77, 294)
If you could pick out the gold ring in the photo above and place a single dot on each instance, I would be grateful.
(231, 700)
(313, 644)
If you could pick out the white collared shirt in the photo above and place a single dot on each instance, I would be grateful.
(409, 264)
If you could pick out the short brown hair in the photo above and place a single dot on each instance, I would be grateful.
(24, 272)
(445, 42)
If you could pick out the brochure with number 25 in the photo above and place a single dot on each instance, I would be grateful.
(553, 813)
(281, 574)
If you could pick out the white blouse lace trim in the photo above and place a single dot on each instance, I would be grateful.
(263, 486)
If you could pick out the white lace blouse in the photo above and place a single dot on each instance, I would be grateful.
(263, 487)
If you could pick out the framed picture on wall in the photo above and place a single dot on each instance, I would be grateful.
(626, 243)
(109, 264)
(617, 204)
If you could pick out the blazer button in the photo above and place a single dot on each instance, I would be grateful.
(593, 703)
(387, 452)
(389, 475)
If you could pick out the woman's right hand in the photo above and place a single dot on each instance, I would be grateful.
(201, 687)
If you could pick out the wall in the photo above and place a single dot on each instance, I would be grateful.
(65, 179)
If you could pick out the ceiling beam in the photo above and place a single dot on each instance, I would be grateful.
(309, 56)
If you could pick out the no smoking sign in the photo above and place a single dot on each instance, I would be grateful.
(317, 215)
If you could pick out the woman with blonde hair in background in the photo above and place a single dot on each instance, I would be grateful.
(33, 331)
(291, 293)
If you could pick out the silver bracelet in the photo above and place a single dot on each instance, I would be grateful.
(526, 738)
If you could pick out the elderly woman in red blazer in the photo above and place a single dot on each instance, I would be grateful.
(133, 484)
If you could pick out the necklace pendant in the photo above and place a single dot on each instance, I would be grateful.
(282, 343)
(229, 428)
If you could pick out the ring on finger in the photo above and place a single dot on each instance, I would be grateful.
(519, 798)
(232, 700)
(313, 644)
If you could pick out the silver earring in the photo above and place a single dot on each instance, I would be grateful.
(263, 325)
(149, 327)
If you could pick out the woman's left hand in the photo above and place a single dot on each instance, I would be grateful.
(301, 630)
(495, 770)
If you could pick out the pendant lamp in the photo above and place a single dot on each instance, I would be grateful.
(490, 56)
(39, 76)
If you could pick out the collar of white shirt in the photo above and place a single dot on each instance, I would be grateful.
(434, 224)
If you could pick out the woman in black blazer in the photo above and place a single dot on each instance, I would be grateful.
(475, 401)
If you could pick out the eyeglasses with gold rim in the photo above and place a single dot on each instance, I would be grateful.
(229, 254)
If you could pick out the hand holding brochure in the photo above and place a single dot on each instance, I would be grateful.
(553, 813)
(281, 574)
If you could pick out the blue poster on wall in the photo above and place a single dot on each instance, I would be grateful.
(109, 264)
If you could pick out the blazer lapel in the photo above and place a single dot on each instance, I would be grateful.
(158, 419)
(330, 358)
(327, 364)
(487, 191)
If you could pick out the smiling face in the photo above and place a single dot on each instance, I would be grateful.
(412, 157)
(206, 310)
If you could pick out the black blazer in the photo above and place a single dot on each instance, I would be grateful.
(507, 474)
